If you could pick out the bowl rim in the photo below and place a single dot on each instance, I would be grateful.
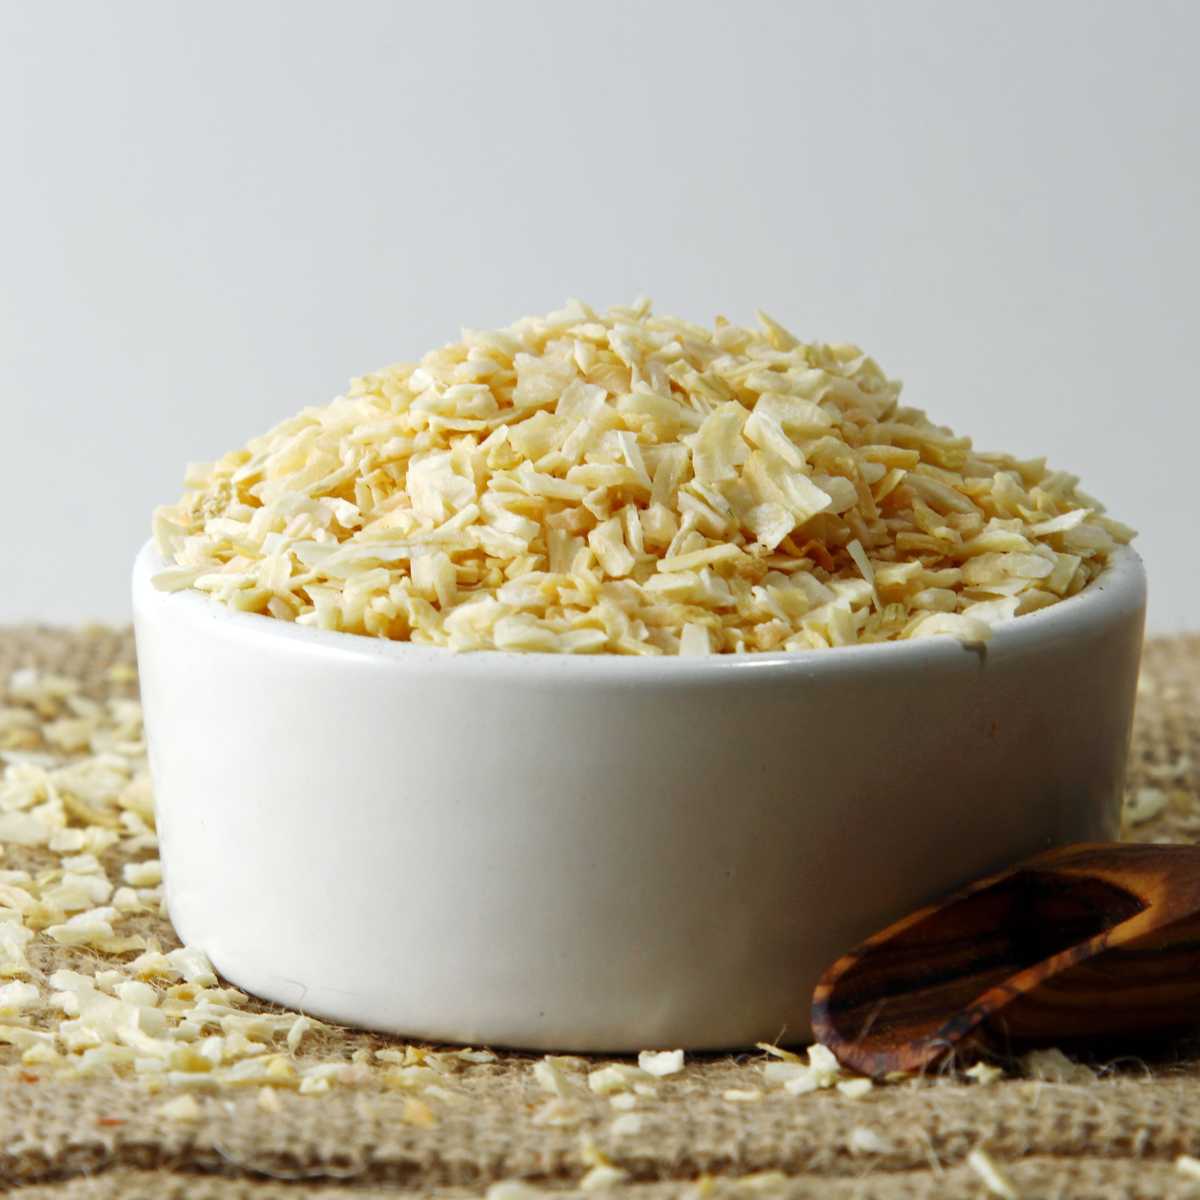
(1116, 594)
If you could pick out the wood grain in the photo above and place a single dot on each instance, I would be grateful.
(1087, 942)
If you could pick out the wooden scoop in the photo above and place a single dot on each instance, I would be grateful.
(1087, 942)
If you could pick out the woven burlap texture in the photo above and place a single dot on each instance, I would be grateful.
(1118, 1136)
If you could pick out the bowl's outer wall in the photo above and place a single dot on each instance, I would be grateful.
(461, 854)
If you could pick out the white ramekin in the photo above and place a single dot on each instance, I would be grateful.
(604, 853)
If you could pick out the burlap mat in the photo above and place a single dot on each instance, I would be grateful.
(1116, 1136)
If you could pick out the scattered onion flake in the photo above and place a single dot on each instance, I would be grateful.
(661, 1062)
(627, 483)
(994, 1181)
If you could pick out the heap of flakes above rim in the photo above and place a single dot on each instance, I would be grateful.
(627, 483)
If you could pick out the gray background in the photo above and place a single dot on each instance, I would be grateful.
(211, 215)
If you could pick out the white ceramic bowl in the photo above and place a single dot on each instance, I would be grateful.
(604, 854)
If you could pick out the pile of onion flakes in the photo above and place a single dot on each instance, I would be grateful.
(627, 483)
